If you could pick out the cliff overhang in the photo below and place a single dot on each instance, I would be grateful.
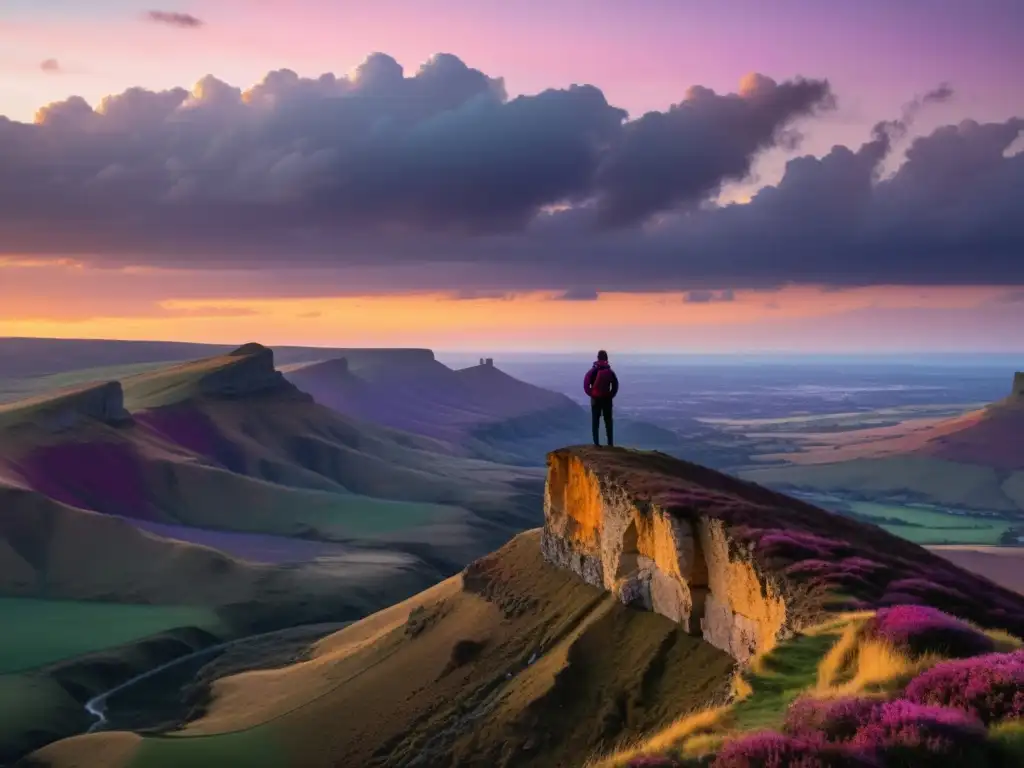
(623, 523)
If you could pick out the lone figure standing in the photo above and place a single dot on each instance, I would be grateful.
(602, 385)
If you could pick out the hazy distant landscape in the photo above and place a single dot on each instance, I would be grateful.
(736, 412)
(758, 409)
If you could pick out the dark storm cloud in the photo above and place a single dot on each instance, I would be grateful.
(685, 155)
(477, 194)
(51, 66)
(173, 19)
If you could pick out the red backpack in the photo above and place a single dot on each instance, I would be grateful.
(598, 381)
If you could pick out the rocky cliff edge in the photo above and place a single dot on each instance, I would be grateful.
(734, 562)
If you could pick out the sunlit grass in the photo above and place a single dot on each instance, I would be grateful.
(833, 659)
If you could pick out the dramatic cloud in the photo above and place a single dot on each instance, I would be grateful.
(51, 66)
(172, 19)
(479, 194)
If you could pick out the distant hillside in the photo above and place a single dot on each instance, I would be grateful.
(481, 409)
(487, 413)
(975, 460)
(227, 443)
(665, 611)
(25, 358)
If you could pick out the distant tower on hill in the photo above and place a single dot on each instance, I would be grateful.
(481, 361)
(489, 362)
(1018, 384)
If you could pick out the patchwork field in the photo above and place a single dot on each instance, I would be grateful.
(933, 526)
(973, 460)
(924, 524)
(43, 678)
(39, 632)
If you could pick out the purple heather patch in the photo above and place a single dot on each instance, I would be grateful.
(899, 732)
(921, 628)
(186, 427)
(768, 749)
(850, 572)
(906, 733)
(989, 687)
(192, 430)
(931, 591)
(100, 476)
(796, 545)
(900, 598)
(814, 719)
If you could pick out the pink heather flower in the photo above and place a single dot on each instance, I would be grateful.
(921, 628)
(768, 749)
(905, 733)
(989, 687)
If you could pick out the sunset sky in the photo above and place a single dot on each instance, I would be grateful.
(658, 175)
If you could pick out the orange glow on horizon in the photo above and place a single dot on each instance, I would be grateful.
(534, 320)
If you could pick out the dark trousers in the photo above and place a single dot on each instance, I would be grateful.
(601, 406)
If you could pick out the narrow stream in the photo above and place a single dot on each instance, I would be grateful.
(163, 703)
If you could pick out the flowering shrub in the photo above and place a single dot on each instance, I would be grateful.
(798, 545)
(775, 750)
(920, 628)
(905, 733)
(830, 719)
(989, 687)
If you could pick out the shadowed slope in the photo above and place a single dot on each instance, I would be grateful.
(425, 397)
(481, 410)
(514, 663)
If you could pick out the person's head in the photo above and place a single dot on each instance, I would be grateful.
(602, 356)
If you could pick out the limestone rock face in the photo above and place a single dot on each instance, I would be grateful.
(628, 530)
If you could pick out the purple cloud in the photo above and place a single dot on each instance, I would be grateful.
(174, 19)
(51, 66)
(440, 173)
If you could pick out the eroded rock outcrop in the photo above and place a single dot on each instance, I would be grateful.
(250, 371)
(65, 410)
(609, 523)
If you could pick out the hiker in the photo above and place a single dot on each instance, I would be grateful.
(602, 385)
